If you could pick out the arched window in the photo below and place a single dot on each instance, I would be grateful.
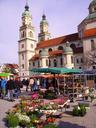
(22, 56)
(61, 61)
(30, 34)
(50, 49)
(40, 51)
(73, 46)
(49, 62)
(55, 63)
(46, 62)
(60, 48)
(23, 34)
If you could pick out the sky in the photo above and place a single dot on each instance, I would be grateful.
(63, 17)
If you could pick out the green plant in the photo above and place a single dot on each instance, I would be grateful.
(50, 125)
(75, 111)
(23, 123)
(12, 120)
(79, 110)
(49, 94)
(33, 118)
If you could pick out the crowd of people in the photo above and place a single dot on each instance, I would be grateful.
(12, 88)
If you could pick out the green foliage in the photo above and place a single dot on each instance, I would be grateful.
(23, 123)
(50, 126)
(79, 110)
(12, 120)
(33, 118)
(49, 94)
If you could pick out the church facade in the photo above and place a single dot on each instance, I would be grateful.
(68, 51)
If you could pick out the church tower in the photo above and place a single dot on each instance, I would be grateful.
(44, 34)
(26, 43)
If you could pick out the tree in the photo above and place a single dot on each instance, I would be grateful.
(90, 59)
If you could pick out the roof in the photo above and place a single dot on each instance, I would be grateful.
(12, 66)
(89, 33)
(35, 57)
(56, 52)
(57, 41)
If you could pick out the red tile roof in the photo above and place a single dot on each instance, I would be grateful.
(89, 32)
(56, 52)
(35, 57)
(12, 66)
(57, 41)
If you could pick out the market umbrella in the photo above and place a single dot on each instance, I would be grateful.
(3, 74)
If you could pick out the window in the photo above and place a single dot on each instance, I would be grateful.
(77, 60)
(55, 63)
(31, 45)
(33, 63)
(81, 60)
(23, 66)
(22, 45)
(49, 62)
(46, 62)
(22, 56)
(92, 45)
(72, 59)
(30, 34)
(94, 67)
(38, 63)
(50, 49)
(60, 48)
(29, 64)
(40, 51)
(80, 68)
(61, 61)
(23, 34)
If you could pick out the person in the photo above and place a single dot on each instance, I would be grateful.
(26, 84)
(0, 86)
(3, 87)
(31, 82)
(10, 87)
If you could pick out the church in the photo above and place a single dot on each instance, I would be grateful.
(69, 51)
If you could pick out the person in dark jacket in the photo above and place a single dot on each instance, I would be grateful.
(10, 87)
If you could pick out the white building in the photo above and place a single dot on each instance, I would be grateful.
(67, 51)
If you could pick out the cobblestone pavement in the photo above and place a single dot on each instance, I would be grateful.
(68, 121)
(4, 107)
(88, 121)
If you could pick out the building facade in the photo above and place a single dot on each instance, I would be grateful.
(68, 51)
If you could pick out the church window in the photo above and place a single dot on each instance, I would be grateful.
(55, 63)
(50, 49)
(61, 61)
(22, 56)
(23, 66)
(23, 34)
(77, 60)
(40, 51)
(93, 45)
(72, 59)
(30, 34)
(46, 62)
(31, 45)
(33, 63)
(49, 62)
(60, 48)
(22, 46)
(81, 60)
(38, 63)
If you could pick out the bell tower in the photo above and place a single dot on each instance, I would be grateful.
(26, 43)
(44, 34)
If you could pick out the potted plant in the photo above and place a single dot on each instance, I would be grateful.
(12, 120)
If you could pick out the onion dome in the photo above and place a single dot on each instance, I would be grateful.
(43, 19)
(44, 53)
(26, 12)
(68, 49)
